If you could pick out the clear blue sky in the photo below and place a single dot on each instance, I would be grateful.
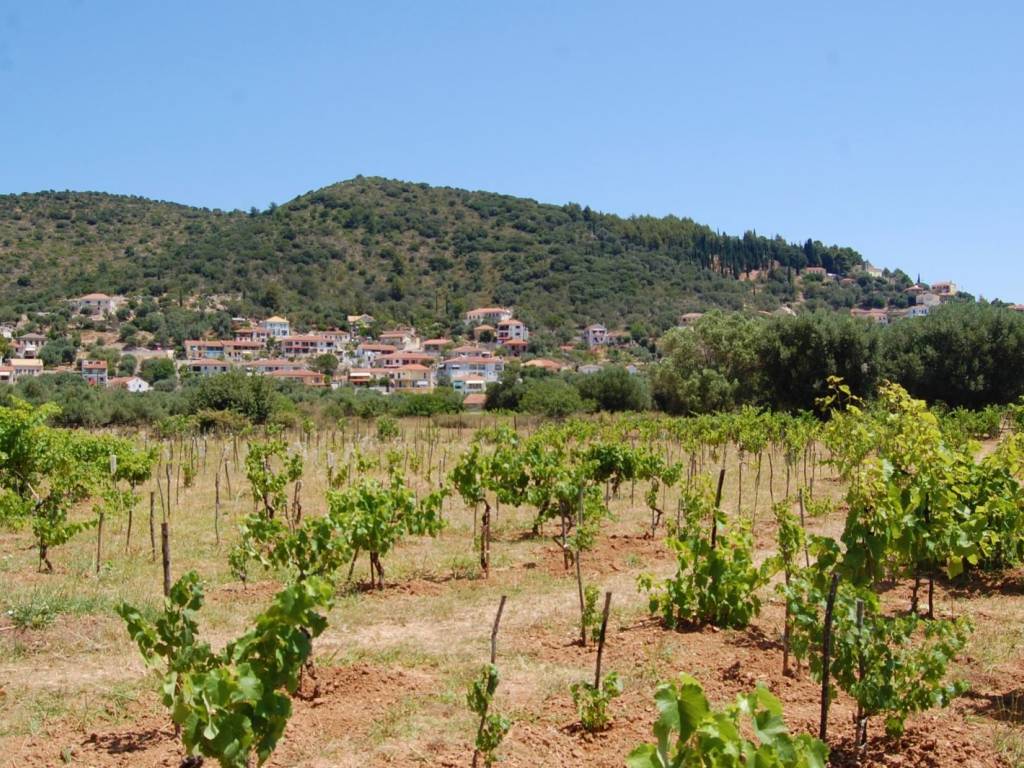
(893, 127)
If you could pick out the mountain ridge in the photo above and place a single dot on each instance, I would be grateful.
(411, 252)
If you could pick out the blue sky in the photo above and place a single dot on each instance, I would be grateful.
(895, 128)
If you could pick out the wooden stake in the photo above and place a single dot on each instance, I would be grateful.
(165, 548)
(826, 660)
(152, 531)
(99, 542)
(216, 507)
(600, 639)
(494, 629)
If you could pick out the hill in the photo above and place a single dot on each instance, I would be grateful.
(408, 252)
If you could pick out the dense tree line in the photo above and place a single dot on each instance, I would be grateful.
(962, 355)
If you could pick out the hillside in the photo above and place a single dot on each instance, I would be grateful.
(405, 252)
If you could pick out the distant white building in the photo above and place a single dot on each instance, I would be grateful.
(489, 315)
(133, 384)
(277, 327)
(96, 302)
(595, 335)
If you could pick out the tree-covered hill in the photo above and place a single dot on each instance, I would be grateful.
(406, 252)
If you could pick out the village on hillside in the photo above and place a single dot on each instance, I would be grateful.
(358, 353)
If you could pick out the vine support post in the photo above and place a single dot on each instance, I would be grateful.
(494, 628)
(600, 639)
(786, 633)
(803, 525)
(152, 531)
(714, 512)
(99, 542)
(826, 660)
(862, 721)
(216, 508)
(579, 579)
(165, 548)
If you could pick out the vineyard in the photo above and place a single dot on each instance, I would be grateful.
(733, 590)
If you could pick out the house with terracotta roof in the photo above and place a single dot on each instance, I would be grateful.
(94, 372)
(277, 327)
(363, 377)
(268, 365)
(398, 359)
(23, 368)
(368, 351)
(301, 376)
(484, 331)
(474, 402)
(490, 315)
(515, 347)
(413, 377)
(488, 368)
(879, 316)
(307, 345)
(945, 290)
(547, 365)
(470, 350)
(198, 349)
(29, 345)
(242, 350)
(357, 321)
(6, 374)
(507, 330)
(403, 338)
(252, 333)
(436, 346)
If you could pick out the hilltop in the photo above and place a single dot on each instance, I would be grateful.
(412, 253)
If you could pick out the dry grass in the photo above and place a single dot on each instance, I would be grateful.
(77, 672)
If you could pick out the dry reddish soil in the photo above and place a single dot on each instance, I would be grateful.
(353, 700)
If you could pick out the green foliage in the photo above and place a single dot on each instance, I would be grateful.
(709, 367)
(363, 243)
(251, 396)
(156, 369)
(231, 705)
(712, 585)
(493, 727)
(387, 429)
(613, 389)
(552, 397)
(269, 485)
(371, 517)
(45, 472)
(690, 734)
(592, 702)
(315, 548)
(891, 666)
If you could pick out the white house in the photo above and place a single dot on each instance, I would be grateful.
(96, 302)
(277, 327)
(595, 335)
(133, 384)
(24, 369)
(489, 315)
(510, 329)
(487, 368)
